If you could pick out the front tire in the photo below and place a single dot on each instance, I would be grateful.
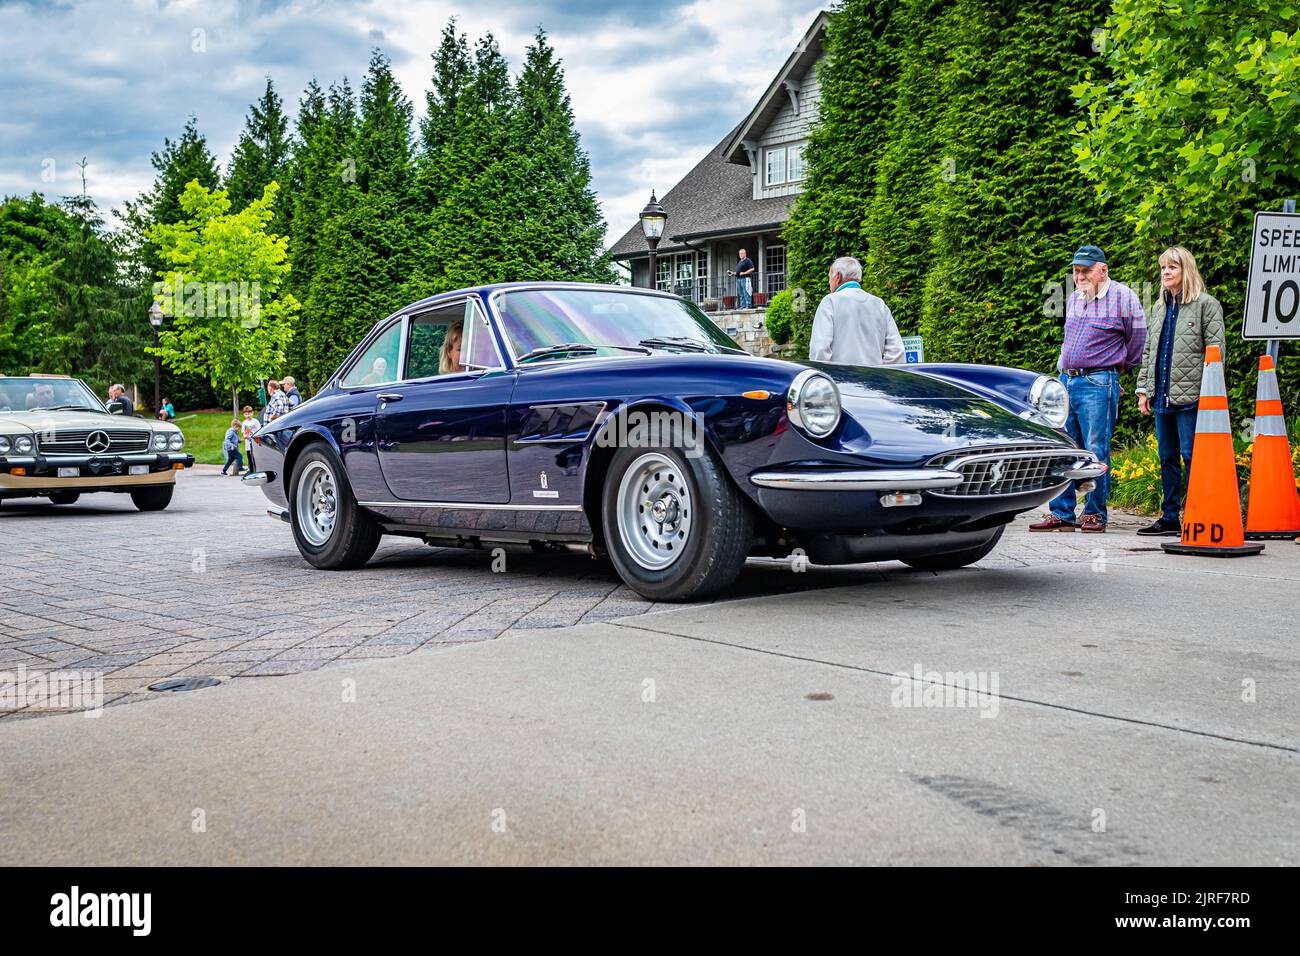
(152, 499)
(956, 559)
(676, 527)
(64, 497)
(329, 527)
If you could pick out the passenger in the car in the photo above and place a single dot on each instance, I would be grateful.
(449, 361)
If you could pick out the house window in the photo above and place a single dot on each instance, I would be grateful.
(683, 273)
(664, 276)
(775, 261)
(776, 166)
(794, 165)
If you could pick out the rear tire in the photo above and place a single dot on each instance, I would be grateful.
(329, 527)
(64, 497)
(695, 543)
(955, 559)
(153, 499)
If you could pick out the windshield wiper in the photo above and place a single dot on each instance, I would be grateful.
(676, 341)
(61, 408)
(585, 348)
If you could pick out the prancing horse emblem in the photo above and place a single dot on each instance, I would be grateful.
(97, 442)
(995, 474)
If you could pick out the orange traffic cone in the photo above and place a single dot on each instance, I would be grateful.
(1212, 514)
(1274, 507)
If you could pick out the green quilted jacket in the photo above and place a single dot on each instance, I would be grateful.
(1200, 323)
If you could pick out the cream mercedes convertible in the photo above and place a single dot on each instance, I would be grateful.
(58, 441)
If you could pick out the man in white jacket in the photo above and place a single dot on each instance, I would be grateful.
(852, 326)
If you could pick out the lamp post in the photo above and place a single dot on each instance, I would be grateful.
(156, 320)
(653, 218)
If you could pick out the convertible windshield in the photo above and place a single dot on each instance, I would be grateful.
(27, 394)
(605, 322)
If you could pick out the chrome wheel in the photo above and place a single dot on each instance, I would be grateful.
(654, 511)
(317, 504)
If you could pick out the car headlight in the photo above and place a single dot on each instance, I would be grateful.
(1050, 399)
(160, 441)
(23, 445)
(813, 403)
(4, 445)
(176, 442)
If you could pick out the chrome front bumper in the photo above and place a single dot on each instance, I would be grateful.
(876, 479)
(911, 479)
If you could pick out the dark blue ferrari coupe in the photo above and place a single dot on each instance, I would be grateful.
(624, 423)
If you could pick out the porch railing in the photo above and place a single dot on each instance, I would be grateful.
(723, 290)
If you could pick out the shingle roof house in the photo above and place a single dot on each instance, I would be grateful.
(739, 195)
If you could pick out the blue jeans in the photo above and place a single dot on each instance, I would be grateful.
(233, 457)
(744, 292)
(1175, 433)
(1094, 407)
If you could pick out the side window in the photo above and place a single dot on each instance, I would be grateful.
(478, 351)
(377, 365)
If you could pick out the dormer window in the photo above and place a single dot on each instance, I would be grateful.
(783, 164)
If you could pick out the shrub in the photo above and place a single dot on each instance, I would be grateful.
(780, 317)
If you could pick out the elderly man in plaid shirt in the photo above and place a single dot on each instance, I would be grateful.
(1105, 329)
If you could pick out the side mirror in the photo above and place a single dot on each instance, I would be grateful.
(116, 408)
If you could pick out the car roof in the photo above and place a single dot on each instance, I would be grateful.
(43, 375)
(486, 290)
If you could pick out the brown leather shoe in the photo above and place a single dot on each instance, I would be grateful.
(1053, 523)
(1092, 524)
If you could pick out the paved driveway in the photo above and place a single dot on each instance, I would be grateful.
(213, 587)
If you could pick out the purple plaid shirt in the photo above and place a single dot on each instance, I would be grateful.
(1108, 332)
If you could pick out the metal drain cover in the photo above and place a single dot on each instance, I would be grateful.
(184, 683)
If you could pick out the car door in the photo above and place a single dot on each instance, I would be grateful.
(442, 430)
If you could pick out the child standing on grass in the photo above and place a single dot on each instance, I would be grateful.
(230, 445)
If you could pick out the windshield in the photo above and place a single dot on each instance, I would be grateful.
(27, 394)
(614, 322)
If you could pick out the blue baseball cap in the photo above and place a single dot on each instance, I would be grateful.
(1088, 256)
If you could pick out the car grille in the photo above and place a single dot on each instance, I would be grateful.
(1006, 469)
(73, 441)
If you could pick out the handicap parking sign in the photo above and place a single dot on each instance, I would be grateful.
(912, 349)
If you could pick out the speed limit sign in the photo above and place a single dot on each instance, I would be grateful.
(1273, 285)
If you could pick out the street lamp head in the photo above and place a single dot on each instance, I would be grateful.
(653, 219)
(156, 315)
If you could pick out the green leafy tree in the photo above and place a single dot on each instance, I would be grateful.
(859, 85)
(180, 162)
(262, 155)
(365, 244)
(1005, 210)
(1190, 127)
(225, 278)
(556, 229)
(322, 170)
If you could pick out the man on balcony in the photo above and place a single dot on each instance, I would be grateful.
(745, 281)
(852, 326)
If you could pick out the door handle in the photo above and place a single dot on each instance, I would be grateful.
(390, 397)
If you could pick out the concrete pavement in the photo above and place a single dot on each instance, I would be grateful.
(1146, 713)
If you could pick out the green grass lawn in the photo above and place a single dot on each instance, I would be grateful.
(203, 434)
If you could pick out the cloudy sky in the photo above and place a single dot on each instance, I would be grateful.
(653, 85)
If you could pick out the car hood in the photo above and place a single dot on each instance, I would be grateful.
(36, 421)
(887, 409)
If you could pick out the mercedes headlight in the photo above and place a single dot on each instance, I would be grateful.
(23, 445)
(1050, 399)
(4, 445)
(176, 442)
(813, 403)
(160, 441)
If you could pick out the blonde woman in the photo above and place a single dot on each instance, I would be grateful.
(1184, 320)
(449, 358)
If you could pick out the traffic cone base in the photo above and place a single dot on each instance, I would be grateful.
(1273, 536)
(1207, 551)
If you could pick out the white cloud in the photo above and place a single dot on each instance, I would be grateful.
(653, 88)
